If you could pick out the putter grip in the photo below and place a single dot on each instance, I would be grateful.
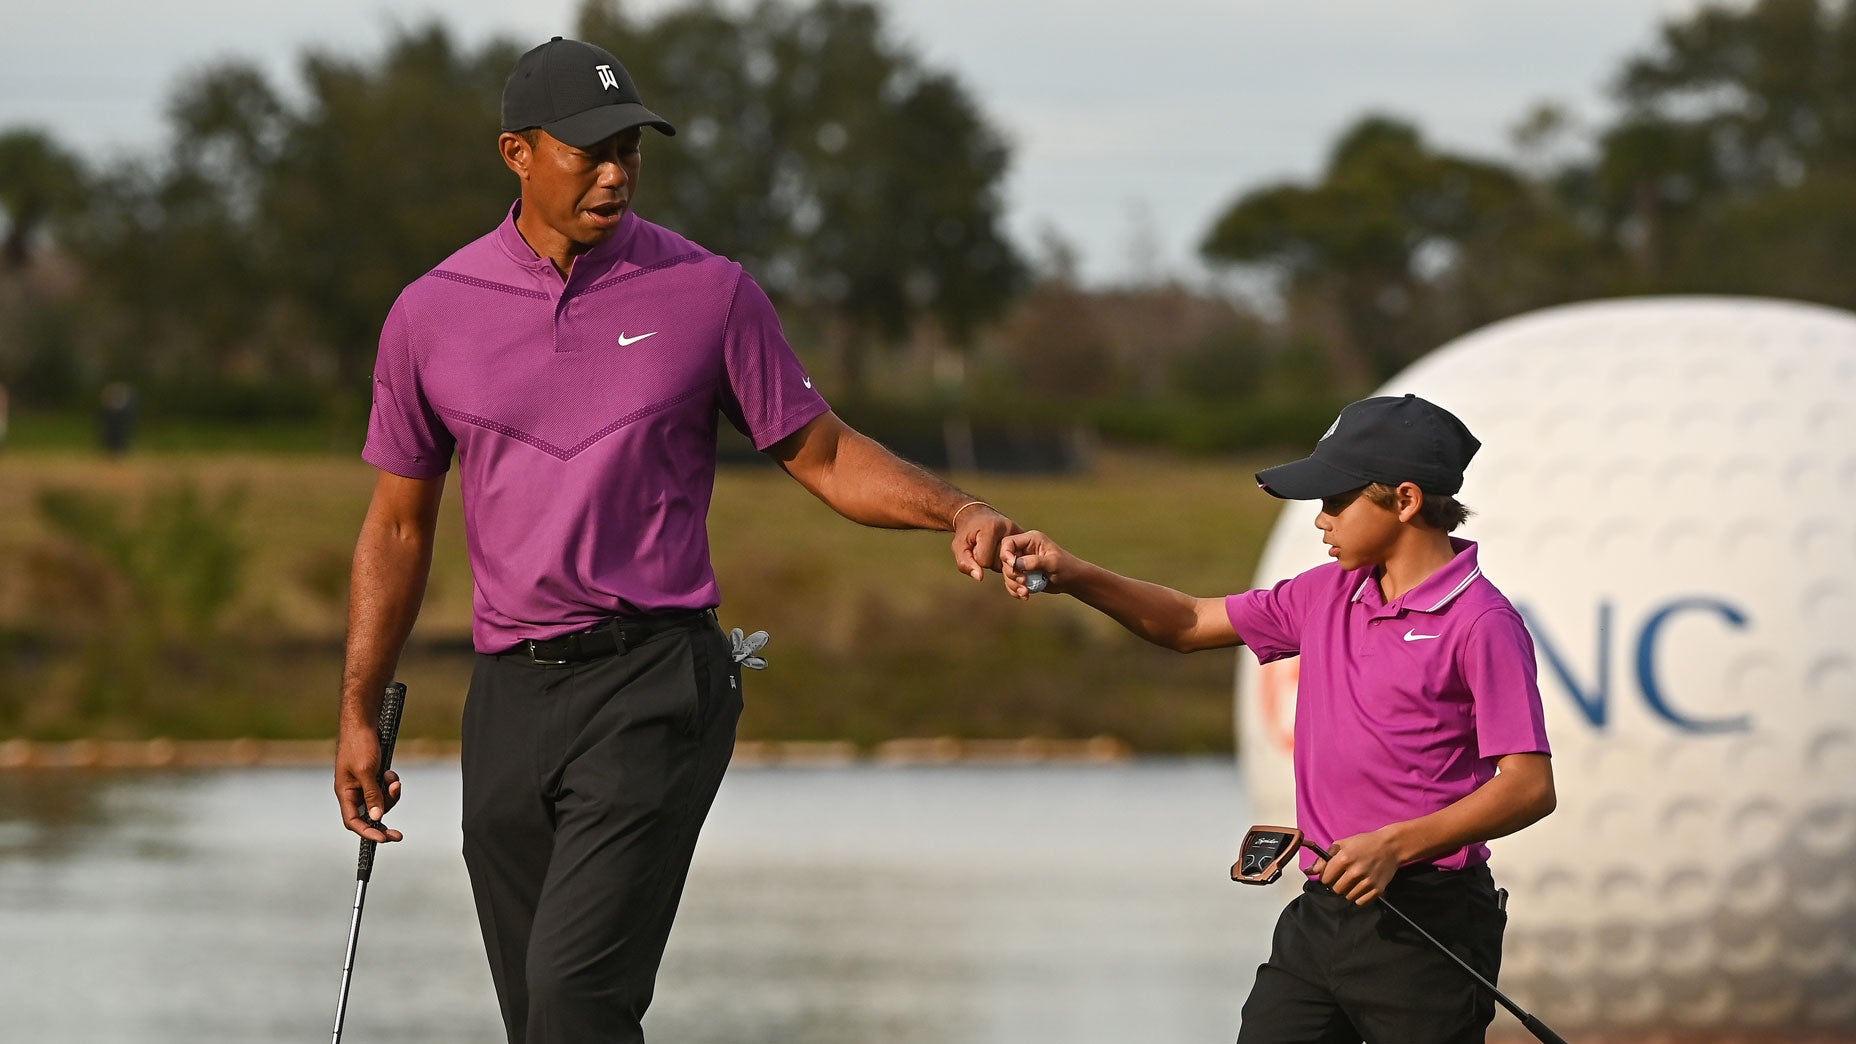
(391, 704)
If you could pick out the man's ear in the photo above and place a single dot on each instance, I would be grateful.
(517, 153)
(1410, 501)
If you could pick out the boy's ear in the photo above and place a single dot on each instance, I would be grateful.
(1410, 501)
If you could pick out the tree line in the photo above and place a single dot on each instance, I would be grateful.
(246, 265)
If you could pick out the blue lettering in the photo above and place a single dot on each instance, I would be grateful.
(1591, 703)
(1646, 664)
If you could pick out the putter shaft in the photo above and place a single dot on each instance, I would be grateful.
(354, 936)
(389, 728)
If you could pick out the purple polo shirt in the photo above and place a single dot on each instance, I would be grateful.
(583, 412)
(1401, 708)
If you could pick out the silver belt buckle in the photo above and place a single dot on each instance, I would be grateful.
(537, 659)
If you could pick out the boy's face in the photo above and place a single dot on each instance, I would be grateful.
(1357, 531)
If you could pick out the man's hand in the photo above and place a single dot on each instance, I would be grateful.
(1020, 553)
(392, 558)
(364, 801)
(977, 533)
(1360, 866)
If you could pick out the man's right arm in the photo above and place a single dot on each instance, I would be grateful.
(392, 561)
(1161, 615)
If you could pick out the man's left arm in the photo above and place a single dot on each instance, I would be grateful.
(1520, 794)
(866, 483)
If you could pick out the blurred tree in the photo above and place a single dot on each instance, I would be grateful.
(846, 175)
(263, 251)
(177, 267)
(1058, 347)
(1394, 248)
(43, 189)
(1730, 170)
(39, 181)
(390, 168)
(1769, 85)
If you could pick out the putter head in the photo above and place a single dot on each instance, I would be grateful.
(1265, 852)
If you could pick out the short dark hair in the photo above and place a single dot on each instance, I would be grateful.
(1440, 510)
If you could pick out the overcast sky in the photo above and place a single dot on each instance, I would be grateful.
(1133, 124)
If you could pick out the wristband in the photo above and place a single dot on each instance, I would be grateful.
(954, 519)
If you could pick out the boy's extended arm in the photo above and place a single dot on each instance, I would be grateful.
(1159, 614)
(1520, 794)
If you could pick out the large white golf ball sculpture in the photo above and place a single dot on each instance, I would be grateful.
(1667, 491)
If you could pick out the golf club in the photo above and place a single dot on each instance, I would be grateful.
(390, 706)
(1267, 850)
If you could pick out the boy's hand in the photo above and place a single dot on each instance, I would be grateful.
(1021, 553)
(1360, 866)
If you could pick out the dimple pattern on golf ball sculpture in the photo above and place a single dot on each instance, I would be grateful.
(1667, 491)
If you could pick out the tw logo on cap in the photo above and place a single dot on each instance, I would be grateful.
(607, 81)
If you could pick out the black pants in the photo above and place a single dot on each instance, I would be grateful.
(1341, 974)
(585, 785)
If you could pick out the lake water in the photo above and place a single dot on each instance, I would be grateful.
(843, 905)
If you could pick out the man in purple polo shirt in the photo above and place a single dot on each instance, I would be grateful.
(576, 361)
(1418, 728)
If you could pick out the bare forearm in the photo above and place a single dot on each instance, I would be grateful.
(1155, 613)
(1514, 799)
(871, 486)
(391, 566)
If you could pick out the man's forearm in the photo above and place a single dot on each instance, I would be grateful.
(871, 486)
(391, 567)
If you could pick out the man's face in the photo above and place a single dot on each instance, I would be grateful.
(579, 194)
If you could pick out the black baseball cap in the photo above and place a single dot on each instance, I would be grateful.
(1390, 439)
(577, 92)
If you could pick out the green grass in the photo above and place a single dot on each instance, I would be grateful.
(875, 635)
(33, 432)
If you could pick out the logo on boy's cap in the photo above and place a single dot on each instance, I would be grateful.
(1390, 439)
(576, 92)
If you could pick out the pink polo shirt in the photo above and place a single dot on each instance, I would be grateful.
(583, 412)
(1401, 709)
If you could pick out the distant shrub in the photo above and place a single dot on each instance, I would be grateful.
(176, 563)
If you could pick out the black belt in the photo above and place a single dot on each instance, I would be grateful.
(613, 636)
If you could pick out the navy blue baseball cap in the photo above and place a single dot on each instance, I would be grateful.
(576, 92)
(1390, 439)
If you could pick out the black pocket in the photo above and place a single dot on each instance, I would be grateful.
(699, 676)
(715, 675)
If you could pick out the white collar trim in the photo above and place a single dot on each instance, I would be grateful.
(1457, 590)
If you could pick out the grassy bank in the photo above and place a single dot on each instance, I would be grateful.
(874, 634)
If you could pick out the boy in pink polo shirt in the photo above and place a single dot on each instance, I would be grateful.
(1418, 728)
